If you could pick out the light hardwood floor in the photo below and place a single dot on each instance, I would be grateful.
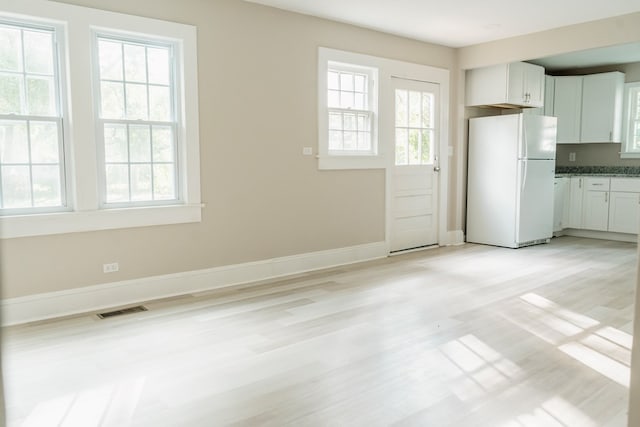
(459, 336)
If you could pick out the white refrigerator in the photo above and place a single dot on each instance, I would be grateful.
(510, 180)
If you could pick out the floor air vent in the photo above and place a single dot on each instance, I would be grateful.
(129, 310)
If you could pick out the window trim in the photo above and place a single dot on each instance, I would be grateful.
(625, 150)
(77, 24)
(353, 62)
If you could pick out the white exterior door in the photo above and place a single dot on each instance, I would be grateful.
(414, 189)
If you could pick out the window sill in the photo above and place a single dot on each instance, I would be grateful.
(106, 219)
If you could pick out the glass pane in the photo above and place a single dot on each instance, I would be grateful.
(427, 104)
(350, 141)
(333, 82)
(46, 186)
(141, 182)
(41, 96)
(159, 71)
(364, 141)
(10, 49)
(401, 108)
(139, 144)
(115, 143)
(362, 123)
(426, 147)
(16, 187)
(11, 94)
(359, 101)
(346, 81)
(14, 144)
(112, 100)
(349, 121)
(360, 83)
(414, 147)
(346, 100)
(636, 94)
(44, 142)
(333, 100)
(164, 182)
(110, 57)
(159, 103)
(137, 101)
(401, 146)
(335, 121)
(135, 63)
(335, 140)
(38, 52)
(163, 144)
(415, 108)
(117, 180)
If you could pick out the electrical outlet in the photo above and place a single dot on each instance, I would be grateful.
(572, 157)
(307, 151)
(111, 267)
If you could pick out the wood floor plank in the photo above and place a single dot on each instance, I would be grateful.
(470, 335)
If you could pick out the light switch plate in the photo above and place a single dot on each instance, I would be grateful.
(307, 151)
(572, 157)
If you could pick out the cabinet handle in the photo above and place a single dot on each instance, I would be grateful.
(580, 183)
(606, 197)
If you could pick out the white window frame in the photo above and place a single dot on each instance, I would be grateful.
(61, 118)
(343, 159)
(77, 24)
(627, 151)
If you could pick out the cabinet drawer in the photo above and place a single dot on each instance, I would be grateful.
(596, 184)
(631, 185)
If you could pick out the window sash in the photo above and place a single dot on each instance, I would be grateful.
(355, 138)
(26, 114)
(631, 145)
(128, 120)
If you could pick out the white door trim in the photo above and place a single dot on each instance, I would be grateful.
(427, 74)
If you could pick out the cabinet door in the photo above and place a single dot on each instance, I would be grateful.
(559, 196)
(534, 85)
(602, 107)
(516, 84)
(576, 191)
(595, 214)
(567, 104)
(624, 212)
(549, 95)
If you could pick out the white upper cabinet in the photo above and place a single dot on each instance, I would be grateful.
(517, 84)
(602, 107)
(549, 95)
(567, 107)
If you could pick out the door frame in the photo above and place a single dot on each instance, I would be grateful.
(386, 105)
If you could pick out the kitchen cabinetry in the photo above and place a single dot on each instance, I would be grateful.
(598, 203)
(575, 202)
(624, 205)
(560, 208)
(517, 84)
(595, 210)
(549, 95)
(567, 107)
(602, 107)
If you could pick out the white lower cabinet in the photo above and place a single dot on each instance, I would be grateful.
(599, 204)
(560, 207)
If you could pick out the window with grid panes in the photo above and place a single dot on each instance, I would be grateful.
(350, 117)
(32, 172)
(414, 127)
(137, 122)
(631, 146)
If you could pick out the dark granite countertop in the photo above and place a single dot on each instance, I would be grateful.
(614, 171)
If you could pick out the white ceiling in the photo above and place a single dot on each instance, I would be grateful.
(458, 23)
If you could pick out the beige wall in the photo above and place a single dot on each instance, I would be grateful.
(257, 88)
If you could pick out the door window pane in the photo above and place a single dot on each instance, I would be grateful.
(414, 127)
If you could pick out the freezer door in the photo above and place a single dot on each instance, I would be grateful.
(535, 207)
(538, 140)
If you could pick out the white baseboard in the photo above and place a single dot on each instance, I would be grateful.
(98, 297)
(592, 234)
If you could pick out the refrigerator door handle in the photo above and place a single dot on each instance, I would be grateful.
(524, 176)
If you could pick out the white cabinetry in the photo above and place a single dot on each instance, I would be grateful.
(549, 95)
(517, 84)
(624, 205)
(595, 211)
(602, 107)
(567, 107)
(575, 202)
(560, 207)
